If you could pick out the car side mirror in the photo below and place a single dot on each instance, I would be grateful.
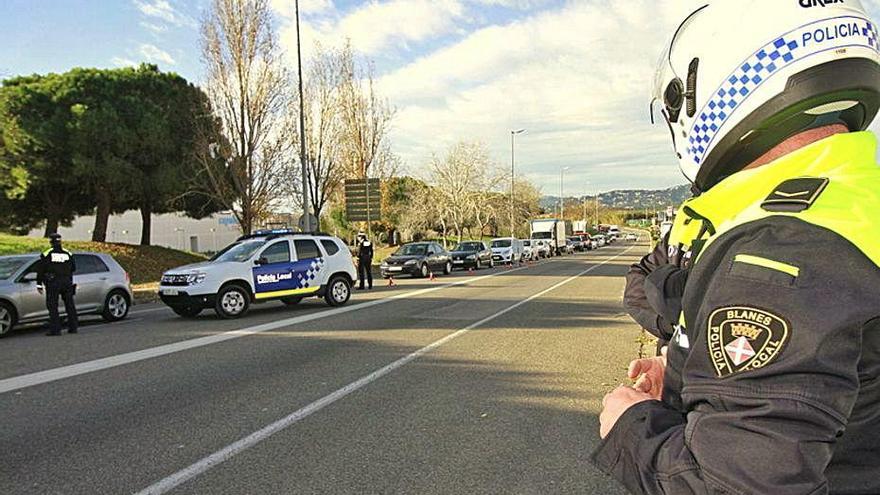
(262, 261)
(431, 253)
(28, 278)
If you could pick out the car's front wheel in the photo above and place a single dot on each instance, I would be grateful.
(424, 270)
(447, 268)
(116, 306)
(7, 319)
(233, 301)
(338, 291)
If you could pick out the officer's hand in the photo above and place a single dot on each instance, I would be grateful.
(648, 374)
(615, 404)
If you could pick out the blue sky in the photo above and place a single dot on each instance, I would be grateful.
(452, 69)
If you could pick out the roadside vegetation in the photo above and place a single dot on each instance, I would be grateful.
(145, 264)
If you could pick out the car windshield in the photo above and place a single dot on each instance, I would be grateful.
(8, 266)
(501, 243)
(240, 252)
(412, 250)
(574, 239)
(541, 235)
(469, 246)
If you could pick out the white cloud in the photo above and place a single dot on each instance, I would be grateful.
(154, 28)
(376, 27)
(123, 62)
(578, 78)
(514, 4)
(286, 8)
(155, 54)
(162, 9)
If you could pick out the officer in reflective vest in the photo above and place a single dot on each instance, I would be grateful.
(772, 383)
(55, 277)
(365, 261)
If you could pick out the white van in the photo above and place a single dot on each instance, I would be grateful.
(506, 250)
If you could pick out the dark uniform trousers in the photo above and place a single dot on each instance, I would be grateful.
(65, 290)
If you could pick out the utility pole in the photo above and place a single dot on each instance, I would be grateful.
(512, 164)
(307, 221)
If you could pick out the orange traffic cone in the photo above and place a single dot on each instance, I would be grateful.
(470, 270)
(432, 277)
(391, 282)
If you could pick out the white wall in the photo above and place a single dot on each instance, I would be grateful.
(172, 230)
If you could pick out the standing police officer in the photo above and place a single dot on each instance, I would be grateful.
(365, 260)
(772, 383)
(55, 273)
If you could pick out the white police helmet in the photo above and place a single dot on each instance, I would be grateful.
(741, 76)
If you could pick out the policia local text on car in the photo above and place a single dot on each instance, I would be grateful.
(772, 384)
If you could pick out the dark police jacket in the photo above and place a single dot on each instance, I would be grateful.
(773, 383)
(365, 251)
(56, 266)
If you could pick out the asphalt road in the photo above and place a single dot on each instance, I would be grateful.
(474, 383)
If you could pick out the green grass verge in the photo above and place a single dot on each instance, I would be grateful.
(144, 264)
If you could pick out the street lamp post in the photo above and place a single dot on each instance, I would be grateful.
(307, 223)
(562, 193)
(512, 164)
(586, 195)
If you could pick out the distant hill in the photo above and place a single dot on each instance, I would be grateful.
(630, 198)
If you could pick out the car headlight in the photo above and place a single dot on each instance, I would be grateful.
(195, 278)
(472, 257)
(384, 264)
(411, 262)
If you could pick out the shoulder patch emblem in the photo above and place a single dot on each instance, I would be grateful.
(795, 195)
(745, 338)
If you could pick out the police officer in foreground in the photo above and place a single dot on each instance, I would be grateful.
(365, 260)
(55, 276)
(772, 383)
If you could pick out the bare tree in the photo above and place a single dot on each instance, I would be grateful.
(323, 86)
(249, 89)
(460, 184)
(366, 117)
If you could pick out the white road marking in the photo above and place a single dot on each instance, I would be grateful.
(50, 375)
(226, 453)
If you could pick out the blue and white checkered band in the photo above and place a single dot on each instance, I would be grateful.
(805, 41)
(308, 271)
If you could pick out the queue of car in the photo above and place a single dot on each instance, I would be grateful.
(272, 265)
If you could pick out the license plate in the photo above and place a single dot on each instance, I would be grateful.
(458, 262)
(170, 292)
(395, 269)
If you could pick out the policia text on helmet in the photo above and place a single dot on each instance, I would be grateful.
(815, 74)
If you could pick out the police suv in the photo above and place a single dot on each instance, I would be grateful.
(268, 265)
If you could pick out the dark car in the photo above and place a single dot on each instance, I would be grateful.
(471, 254)
(418, 259)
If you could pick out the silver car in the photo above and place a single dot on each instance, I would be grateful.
(102, 288)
